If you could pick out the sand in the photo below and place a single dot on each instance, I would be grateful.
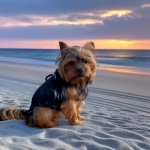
(117, 112)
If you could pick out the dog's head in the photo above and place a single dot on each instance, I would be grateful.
(77, 64)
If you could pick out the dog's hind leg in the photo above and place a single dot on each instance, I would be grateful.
(50, 124)
(43, 117)
(32, 122)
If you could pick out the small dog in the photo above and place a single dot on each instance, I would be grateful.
(63, 92)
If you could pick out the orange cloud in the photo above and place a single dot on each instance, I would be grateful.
(118, 13)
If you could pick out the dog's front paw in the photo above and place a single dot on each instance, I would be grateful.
(76, 122)
(79, 123)
(81, 117)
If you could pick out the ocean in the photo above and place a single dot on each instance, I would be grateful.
(138, 60)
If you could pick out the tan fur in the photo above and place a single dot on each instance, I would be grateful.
(71, 107)
(44, 117)
(76, 55)
(70, 60)
(71, 54)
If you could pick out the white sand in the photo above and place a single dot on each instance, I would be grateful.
(117, 112)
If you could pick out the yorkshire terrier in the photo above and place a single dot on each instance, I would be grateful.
(63, 92)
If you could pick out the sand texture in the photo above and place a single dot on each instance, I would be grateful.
(117, 112)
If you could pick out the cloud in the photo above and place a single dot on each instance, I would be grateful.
(118, 13)
(96, 19)
(145, 5)
(53, 7)
(71, 19)
(114, 28)
(23, 21)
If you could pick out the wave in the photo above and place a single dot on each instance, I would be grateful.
(127, 58)
(125, 62)
(107, 58)
(27, 61)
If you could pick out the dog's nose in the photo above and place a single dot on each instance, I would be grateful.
(80, 71)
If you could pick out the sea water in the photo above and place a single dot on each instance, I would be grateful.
(123, 59)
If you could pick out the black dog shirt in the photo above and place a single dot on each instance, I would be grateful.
(50, 93)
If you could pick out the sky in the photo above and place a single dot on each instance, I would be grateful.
(110, 24)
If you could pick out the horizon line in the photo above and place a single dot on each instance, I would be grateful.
(59, 49)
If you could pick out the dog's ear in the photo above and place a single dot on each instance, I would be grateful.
(62, 45)
(89, 46)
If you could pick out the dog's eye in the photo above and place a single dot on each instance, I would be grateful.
(72, 63)
(84, 61)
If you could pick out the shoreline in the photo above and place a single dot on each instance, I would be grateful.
(117, 69)
(127, 71)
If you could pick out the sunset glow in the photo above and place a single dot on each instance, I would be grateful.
(109, 25)
(127, 71)
(117, 13)
(53, 44)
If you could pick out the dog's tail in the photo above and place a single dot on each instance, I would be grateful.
(11, 113)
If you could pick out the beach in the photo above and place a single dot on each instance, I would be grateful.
(117, 112)
(105, 39)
